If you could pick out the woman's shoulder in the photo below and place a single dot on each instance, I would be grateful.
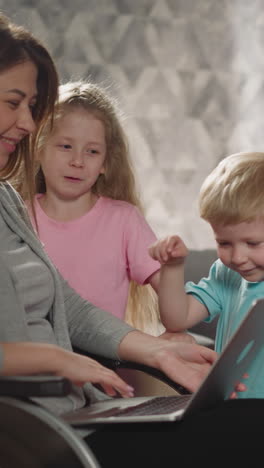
(8, 192)
(7, 188)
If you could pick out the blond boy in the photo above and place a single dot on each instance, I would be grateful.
(232, 201)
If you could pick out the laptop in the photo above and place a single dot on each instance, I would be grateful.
(227, 370)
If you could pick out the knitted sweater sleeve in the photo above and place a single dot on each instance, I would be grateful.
(91, 328)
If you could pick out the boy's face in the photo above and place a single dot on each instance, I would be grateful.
(241, 248)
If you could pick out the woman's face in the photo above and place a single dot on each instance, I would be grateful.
(18, 96)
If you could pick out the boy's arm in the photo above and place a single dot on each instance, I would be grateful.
(178, 310)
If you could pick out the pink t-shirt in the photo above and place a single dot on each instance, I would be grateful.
(101, 251)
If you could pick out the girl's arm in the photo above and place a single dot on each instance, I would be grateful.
(178, 310)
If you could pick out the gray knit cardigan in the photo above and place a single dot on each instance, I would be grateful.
(75, 321)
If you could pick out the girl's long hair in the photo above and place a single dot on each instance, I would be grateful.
(118, 181)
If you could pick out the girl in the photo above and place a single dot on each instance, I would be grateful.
(87, 210)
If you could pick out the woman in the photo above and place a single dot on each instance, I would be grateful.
(39, 311)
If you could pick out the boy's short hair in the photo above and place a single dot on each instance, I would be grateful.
(234, 191)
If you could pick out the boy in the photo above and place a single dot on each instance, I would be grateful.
(232, 201)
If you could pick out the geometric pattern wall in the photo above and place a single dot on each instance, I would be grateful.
(189, 78)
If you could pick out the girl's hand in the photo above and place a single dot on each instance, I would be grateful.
(171, 249)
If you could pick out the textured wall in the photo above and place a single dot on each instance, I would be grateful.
(189, 77)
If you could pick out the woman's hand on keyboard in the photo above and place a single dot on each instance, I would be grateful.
(81, 369)
(23, 358)
(185, 363)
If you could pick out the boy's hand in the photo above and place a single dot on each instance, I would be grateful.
(171, 249)
(239, 387)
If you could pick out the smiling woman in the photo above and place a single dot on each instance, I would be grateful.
(28, 89)
(18, 95)
(28, 287)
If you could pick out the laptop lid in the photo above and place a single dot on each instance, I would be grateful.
(228, 370)
(234, 360)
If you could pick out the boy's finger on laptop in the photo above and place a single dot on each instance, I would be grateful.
(240, 387)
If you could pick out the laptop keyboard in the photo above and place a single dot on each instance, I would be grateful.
(154, 407)
(157, 405)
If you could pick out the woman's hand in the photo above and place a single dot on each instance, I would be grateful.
(25, 358)
(185, 363)
(82, 369)
(177, 336)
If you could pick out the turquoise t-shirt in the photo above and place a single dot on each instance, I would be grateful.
(225, 293)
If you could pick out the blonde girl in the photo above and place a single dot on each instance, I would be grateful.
(88, 212)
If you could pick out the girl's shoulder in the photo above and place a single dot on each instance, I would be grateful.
(118, 205)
